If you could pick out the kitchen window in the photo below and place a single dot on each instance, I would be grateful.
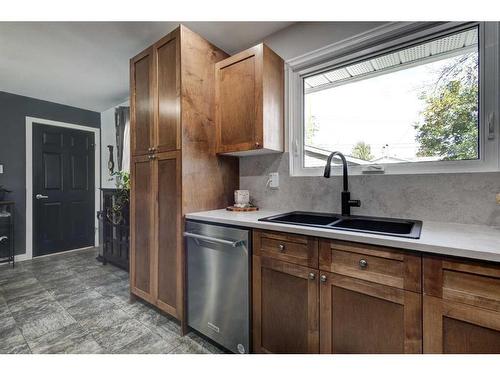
(424, 102)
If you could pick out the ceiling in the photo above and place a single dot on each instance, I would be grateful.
(85, 64)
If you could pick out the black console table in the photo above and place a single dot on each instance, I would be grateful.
(115, 232)
(7, 249)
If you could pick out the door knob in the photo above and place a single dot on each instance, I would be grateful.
(40, 196)
(363, 264)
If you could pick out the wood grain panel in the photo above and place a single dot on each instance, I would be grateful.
(285, 307)
(358, 316)
(237, 104)
(141, 102)
(451, 327)
(273, 81)
(469, 282)
(142, 230)
(208, 181)
(169, 231)
(385, 266)
(291, 248)
(168, 103)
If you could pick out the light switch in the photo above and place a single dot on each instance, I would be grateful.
(1, 168)
(498, 198)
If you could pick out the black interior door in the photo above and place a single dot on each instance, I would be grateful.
(63, 189)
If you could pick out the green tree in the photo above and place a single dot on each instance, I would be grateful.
(362, 151)
(449, 126)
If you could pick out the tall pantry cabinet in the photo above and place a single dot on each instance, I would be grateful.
(174, 167)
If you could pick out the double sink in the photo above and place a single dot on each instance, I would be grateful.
(366, 224)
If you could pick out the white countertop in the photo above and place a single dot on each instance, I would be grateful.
(463, 240)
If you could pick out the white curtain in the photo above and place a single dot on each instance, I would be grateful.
(126, 147)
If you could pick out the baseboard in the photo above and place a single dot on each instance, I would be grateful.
(23, 257)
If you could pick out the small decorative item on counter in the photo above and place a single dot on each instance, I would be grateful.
(242, 202)
(241, 198)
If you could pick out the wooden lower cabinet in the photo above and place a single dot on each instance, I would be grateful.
(362, 317)
(461, 306)
(156, 242)
(169, 262)
(142, 256)
(285, 307)
(457, 328)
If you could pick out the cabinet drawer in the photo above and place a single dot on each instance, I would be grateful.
(472, 283)
(302, 250)
(371, 263)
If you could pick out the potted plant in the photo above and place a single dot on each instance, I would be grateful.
(3, 192)
(118, 212)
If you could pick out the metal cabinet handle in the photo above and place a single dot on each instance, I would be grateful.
(213, 239)
(312, 276)
(323, 278)
(363, 263)
(150, 149)
(281, 247)
(40, 196)
(4, 238)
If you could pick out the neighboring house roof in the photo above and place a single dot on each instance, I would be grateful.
(321, 155)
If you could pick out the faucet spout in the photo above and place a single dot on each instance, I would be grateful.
(346, 200)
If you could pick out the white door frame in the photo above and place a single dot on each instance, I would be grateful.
(29, 177)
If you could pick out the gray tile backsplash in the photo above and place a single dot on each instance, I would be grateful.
(459, 198)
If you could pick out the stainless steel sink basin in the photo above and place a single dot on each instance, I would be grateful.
(366, 224)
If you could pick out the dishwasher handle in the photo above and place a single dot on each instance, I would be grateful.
(214, 239)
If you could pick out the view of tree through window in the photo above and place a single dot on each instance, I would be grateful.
(412, 105)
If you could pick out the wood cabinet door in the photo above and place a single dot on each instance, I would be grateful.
(238, 98)
(456, 328)
(362, 317)
(141, 103)
(461, 306)
(285, 307)
(167, 93)
(168, 228)
(142, 255)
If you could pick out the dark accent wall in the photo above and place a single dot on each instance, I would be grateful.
(13, 112)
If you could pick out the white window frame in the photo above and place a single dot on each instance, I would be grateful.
(384, 38)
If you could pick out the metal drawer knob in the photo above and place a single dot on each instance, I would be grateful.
(281, 247)
(323, 278)
(312, 276)
(363, 263)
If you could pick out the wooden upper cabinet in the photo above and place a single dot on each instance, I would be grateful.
(167, 108)
(285, 307)
(155, 97)
(461, 306)
(362, 317)
(249, 102)
(141, 106)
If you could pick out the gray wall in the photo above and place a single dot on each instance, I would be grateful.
(13, 112)
(303, 37)
(459, 198)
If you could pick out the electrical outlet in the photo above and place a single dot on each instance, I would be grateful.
(274, 180)
(498, 198)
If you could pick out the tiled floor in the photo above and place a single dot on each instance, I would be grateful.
(70, 303)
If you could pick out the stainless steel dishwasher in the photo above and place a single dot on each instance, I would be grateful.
(218, 283)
